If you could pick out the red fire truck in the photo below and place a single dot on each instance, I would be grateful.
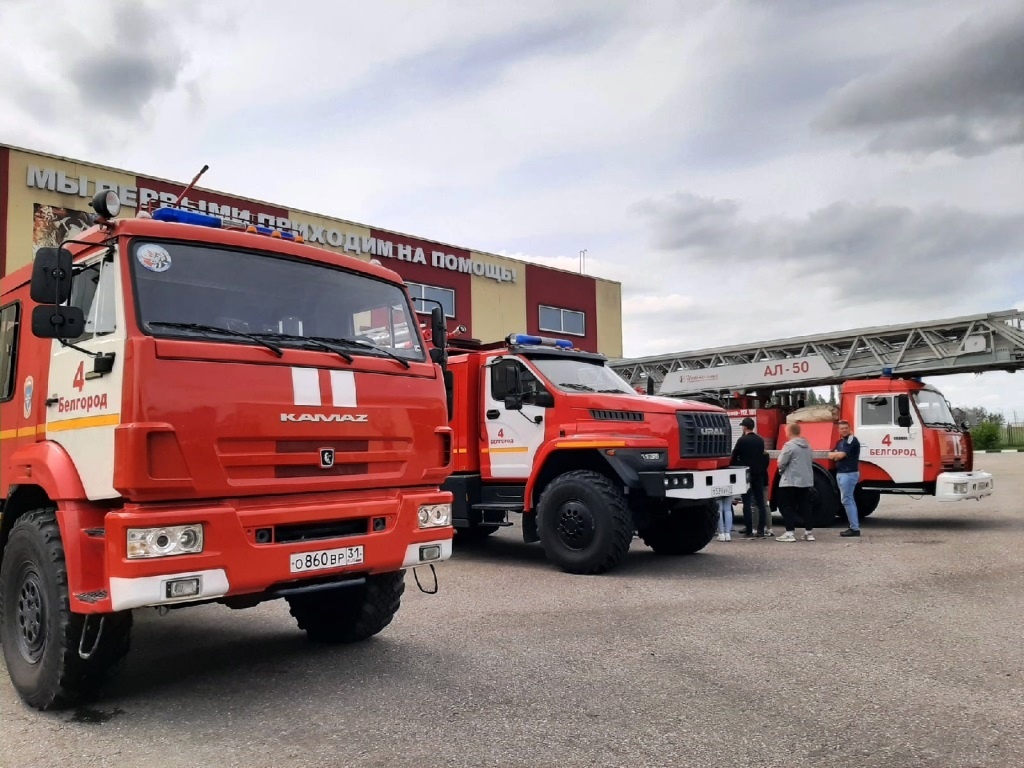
(552, 433)
(197, 410)
(910, 444)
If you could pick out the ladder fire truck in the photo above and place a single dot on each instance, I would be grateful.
(196, 410)
(911, 442)
(549, 432)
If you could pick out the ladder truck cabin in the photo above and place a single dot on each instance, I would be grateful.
(550, 432)
(911, 443)
(197, 411)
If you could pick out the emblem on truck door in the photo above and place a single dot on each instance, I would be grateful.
(326, 458)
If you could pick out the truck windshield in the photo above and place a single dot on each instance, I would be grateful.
(934, 409)
(192, 291)
(571, 375)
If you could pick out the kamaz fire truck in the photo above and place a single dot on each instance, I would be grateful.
(551, 433)
(911, 443)
(198, 410)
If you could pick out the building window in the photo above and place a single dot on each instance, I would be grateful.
(9, 317)
(420, 291)
(557, 320)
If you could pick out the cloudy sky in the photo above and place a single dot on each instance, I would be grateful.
(747, 170)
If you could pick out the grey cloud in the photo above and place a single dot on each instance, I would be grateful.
(965, 94)
(872, 251)
(125, 73)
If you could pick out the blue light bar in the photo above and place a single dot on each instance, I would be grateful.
(538, 341)
(181, 216)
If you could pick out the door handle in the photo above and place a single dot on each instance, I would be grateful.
(493, 413)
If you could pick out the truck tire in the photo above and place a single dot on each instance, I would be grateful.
(684, 531)
(349, 614)
(825, 503)
(584, 524)
(867, 501)
(39, 633)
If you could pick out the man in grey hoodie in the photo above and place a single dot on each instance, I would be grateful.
(797, 480)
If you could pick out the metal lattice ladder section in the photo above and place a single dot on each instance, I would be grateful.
(971, 344)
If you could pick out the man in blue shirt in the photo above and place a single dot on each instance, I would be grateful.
(846, 454)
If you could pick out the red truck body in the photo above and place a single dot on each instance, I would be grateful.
(304, 468)
(536, 422)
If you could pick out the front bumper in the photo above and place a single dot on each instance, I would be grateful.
(959, 486)
(706, 484)
(237, 559)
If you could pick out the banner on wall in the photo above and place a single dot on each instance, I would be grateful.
(52, 225)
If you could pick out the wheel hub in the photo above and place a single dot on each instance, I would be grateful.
(30, 615)
(575, 525)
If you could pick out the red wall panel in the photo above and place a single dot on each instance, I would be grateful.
(564, 290)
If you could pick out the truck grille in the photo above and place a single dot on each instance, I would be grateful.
(704, 435)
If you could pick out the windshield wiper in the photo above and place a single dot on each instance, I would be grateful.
(613, 392)
(210, 329)
(361, 345)
(310, 341)
(580, 387)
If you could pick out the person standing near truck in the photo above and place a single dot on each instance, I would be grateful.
(796, 465)
(749, 452)
(846, 454)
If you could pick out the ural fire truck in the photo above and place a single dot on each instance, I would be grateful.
(911, 443)
(551, 433)
(194, 411)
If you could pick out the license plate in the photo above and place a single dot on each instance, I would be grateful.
(321, 559)
(721, 490)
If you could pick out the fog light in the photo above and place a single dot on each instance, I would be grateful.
(175, 589)
(433, 552)
(165, 542)
(435, 515)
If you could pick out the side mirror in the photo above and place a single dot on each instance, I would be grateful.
(904, 421)
(54, 322)
(650, 384)
(51, 276)
(511, 379)
(544, 399)
(513, 403)
(903, 417)
(438, 328)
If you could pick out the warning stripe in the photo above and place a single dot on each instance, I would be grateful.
(7, 434)
(106, 420)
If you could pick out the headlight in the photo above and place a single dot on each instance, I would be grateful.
(959, 487)
(165, 542)
(435, 515)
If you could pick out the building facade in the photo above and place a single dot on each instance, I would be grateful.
(44, 199)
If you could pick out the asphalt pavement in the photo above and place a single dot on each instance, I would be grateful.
(903, 648)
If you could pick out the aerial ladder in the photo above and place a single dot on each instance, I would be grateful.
(911, 442)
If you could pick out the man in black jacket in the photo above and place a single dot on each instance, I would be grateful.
(749, 452)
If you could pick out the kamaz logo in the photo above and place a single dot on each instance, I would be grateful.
(712, 431)
(334, 418)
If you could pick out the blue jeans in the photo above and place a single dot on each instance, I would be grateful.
(755, 511)
(725, 515)
(847, 483)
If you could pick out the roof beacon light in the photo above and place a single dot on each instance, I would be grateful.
(538, 341)
(182, 216)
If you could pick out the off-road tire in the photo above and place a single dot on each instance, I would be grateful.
(349, 614)
(867, 501)
(825, 503)
(584, 524)
(683, 531)
(39, 633)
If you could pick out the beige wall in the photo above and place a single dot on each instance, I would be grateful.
(498, 308)
(609, 318)
(22, 200)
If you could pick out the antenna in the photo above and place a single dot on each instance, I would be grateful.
(191, 184)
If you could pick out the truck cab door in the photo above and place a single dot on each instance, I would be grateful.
(513, 423)
(83, 406)
(897, 450)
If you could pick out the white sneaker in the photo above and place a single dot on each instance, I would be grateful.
(786, 537)
(808, 537)
(768, 532)
(721, 537)
(728, 537)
